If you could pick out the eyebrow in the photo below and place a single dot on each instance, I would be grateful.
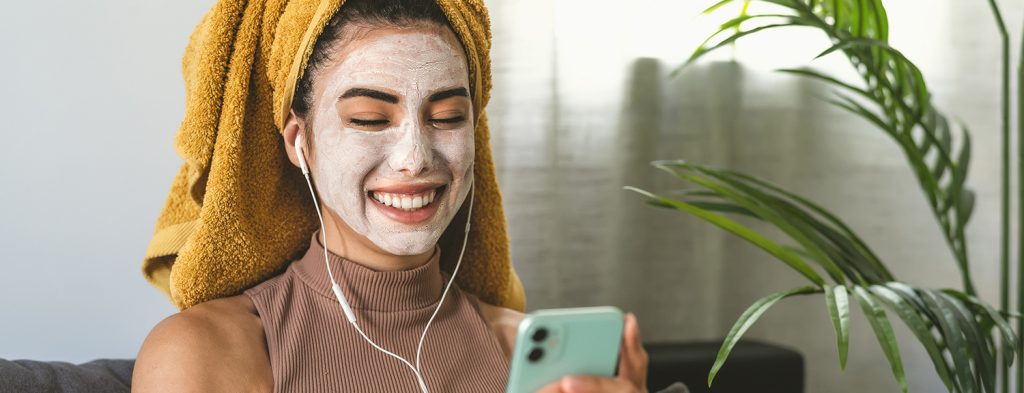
(375, 94)
(458, 91)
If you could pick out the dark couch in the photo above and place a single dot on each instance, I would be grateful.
(97, 376)
(752, 367)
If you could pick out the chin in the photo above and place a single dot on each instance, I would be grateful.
(410, 243)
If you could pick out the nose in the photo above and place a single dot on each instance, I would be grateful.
(412, 155)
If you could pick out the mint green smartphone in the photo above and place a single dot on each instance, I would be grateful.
(554, 343)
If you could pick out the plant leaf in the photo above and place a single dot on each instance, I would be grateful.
(965, 207)
(703, 50)
(762, 206)
(919, 327)
(737, 21)
(856, 108)
(822, 77)
(716, 6)
(1009, 338)
(862, 248)
(949, 325)
(850, 43)
(742, 231)
(722, 207)
(883, 331)
(826, 239)
(747, 319)
(963, 161)
(984, 358)
(839, 309)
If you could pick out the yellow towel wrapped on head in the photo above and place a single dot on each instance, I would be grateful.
(239, 211)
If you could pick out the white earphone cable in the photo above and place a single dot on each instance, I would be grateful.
(465, 238)
(419, 377)
(322, 232)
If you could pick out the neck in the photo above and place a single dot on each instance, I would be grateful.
(344, 242)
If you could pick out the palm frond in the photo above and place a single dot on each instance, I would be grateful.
(959, 331)
(894, 98)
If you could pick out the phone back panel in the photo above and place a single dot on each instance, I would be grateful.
(578, 341)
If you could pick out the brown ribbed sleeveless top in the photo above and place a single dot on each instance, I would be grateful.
(313, 348)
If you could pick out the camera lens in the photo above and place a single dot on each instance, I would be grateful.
(535, 355)
(540, 335)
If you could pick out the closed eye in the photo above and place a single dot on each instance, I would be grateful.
(448, 123)
(361, 122)
(450, 120)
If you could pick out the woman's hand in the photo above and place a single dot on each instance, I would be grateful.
(632, 375)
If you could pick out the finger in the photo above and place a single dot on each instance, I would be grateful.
(633, 328)
(554, 387)
(591, 384)
(638, 341)
(633, 362)
(626, 352)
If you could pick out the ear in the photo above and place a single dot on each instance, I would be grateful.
(293, 125)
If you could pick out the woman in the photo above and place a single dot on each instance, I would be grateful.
(383, 117)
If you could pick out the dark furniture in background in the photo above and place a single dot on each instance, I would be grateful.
(753, 367)
(97, 376)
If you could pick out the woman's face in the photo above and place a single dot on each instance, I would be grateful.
(393, 136)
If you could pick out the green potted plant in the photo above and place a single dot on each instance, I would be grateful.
(970, 343)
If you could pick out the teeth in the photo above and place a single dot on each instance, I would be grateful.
(405, 202)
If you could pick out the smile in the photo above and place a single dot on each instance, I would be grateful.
(405, 201)
(408, 208)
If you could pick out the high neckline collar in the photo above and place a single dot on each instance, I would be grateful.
(369, 289)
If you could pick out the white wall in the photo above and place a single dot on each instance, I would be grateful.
(92, 98)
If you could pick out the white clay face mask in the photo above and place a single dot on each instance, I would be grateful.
(394, 136)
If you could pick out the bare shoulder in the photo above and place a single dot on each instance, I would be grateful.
(214, 346)
(504, 323)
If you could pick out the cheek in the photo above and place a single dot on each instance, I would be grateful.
(346, 163)
(345, 155)
(456, 148)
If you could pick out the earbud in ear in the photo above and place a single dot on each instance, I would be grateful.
(298, 153)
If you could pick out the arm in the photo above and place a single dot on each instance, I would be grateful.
(211, 347)
(171, 358)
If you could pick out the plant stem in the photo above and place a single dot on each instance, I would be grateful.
(1020, 219)
(1004, 245)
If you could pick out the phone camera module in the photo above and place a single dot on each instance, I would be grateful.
(540, 335)
(535, 355)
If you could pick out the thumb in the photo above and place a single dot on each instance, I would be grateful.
(590, 384)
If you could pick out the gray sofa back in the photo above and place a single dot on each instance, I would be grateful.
(100, 376)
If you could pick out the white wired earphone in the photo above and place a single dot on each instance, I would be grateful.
(341, 296)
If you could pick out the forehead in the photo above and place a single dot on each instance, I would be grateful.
(417, 58)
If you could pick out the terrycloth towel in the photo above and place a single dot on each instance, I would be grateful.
(238, 210)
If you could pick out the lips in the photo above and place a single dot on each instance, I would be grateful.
(407, 204)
